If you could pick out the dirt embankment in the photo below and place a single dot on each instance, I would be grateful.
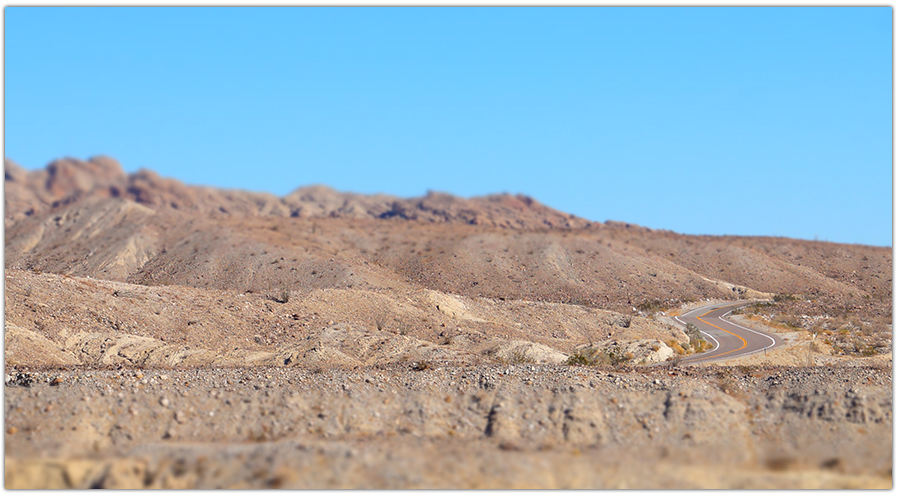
(448, 426)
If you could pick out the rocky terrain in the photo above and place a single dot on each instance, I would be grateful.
(179, 336)
(450, 426)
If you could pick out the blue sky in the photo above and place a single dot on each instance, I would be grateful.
(744, 121)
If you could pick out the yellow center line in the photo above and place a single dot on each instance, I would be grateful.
(724, 330)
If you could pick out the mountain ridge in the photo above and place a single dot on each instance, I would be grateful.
(69, 180)
(89, 218)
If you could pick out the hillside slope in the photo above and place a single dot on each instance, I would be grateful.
(164, 335)
(91, 219)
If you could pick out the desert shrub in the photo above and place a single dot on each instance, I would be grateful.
(748, 310)
(420, 366)
(790, 321)
(284, 296)
(692, 331)
(696, 341)
(675, 347)
(864, 349)
(515, 357)
(651, 306)
(782, 297)
(591, 356)
(520, 358)
(586, 357)
(616, 355)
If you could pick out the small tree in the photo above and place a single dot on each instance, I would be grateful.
(695, 337)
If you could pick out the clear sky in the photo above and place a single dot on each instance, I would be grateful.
(744, 121)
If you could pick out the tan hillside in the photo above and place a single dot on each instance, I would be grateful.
(158, 334)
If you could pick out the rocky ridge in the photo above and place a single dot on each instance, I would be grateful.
(91, 219)
(68, 180)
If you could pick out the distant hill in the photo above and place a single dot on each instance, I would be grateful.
(68, 181)
(90, 218)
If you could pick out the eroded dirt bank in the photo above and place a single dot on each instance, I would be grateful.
(450, 426)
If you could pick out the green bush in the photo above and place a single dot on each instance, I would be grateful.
(586, 357)
(696, 340)
(520, 358)
(651, 306)
(592, 356)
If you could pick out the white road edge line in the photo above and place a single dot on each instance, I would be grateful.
(733, 324)
(704, 333)
(730, 323)
(754, 331)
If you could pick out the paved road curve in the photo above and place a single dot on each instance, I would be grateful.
(729, 339)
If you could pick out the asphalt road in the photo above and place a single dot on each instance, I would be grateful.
(729, 339)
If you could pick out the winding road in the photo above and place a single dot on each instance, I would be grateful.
(729, 340)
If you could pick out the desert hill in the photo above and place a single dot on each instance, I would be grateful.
(534, 275)
(68, 181)
(158, 334)
(89, 218)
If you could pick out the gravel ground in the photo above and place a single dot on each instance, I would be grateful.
(450, 426)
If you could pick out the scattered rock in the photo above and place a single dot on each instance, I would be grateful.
(20, 380)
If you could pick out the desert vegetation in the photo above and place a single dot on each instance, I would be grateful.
(849, 334)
